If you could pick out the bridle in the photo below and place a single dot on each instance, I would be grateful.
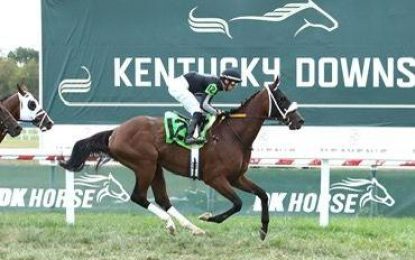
(272, 101)
(272, 104)
(39, 117)
(38, 114)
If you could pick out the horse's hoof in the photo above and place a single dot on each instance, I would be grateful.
(262, 234)
(198, 232)
(205, 216)
(171, 228)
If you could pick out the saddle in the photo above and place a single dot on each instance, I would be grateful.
(175, 126)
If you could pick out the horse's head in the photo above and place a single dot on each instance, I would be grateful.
(380, 194)
(108, 186)
(114, 189)
(374, 190)
(30, 110)
(312, 17)
(281, 108)
(8, 124)
(322, 20)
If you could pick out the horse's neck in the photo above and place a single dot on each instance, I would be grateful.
(13, 105)
(248, 128)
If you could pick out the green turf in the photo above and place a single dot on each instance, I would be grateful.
(128, 236)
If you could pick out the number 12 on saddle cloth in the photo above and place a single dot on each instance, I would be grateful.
(175, 126)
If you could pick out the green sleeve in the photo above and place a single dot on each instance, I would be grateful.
(212, 89)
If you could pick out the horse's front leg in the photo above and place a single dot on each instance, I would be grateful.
(247, 185)
(222, 185)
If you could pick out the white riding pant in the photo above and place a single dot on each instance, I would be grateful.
(179, 89)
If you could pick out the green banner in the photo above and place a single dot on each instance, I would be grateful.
(291, 191)
(346, 62)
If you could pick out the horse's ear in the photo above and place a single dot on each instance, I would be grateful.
(21, 88)
(275, 84)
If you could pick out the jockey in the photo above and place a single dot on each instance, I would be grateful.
(195, 92)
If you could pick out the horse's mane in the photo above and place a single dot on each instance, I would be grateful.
(244, 103)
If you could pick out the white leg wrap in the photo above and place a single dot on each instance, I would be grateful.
(177, 215)
(184, 222)
(159, 212)
(162, 215)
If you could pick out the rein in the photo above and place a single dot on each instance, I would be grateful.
(245, 116)
(272, 103)
(241, 116)
(2, 122)
(244, 146)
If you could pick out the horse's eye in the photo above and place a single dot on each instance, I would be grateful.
(31, 105)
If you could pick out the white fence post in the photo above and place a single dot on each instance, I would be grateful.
(325, 193)
(70, 197)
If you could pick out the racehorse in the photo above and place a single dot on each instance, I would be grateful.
(139, 144)
(24, 107)
(8, 125)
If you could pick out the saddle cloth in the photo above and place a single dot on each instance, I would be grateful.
(175, 126)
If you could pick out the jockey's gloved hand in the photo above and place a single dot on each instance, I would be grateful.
(223, 113)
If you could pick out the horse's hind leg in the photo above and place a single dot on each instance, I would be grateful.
(160, 194)
(247, 185)
(221, 184)
(139, 195)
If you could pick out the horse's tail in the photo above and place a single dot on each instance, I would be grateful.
(82, 149)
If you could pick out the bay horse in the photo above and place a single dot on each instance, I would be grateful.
(24, 107)
(8, 125)
(139, 144)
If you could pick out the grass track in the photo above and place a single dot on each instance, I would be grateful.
(126, 236)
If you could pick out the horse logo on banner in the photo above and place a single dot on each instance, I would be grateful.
(109, 187)
(372, 190)
(218, 25)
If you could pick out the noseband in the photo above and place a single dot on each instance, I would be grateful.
(40, 113)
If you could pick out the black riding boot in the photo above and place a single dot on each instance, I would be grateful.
(196, 121)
